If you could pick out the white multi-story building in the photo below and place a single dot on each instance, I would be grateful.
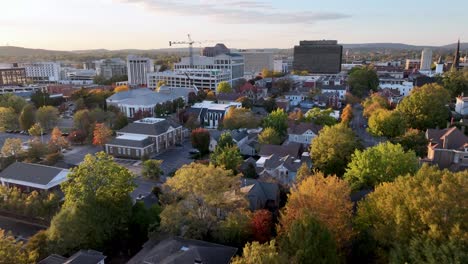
(401, 85)
(138, 69)
(257, 60)
(426, 60)
(210, 114)
(202, 79)
(109, 68)
(232, 63)
(280, 66)
(42, 71)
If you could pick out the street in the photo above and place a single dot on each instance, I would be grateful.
(359, 125)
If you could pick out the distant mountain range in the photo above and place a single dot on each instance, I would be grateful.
(11, 51)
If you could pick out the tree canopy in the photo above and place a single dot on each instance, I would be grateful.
(239, 118)
(362, 80)
(378, 164)
(228, 157)
(456, 82)
(320, 117)
(8, 119)
(224, 87)
(331, 150)
(11, 251)
(347, 114)
(27, 117)
(387, 123)
(374, 103)
(200, 138)
(269, 136)
(278, 121)
(47, 116)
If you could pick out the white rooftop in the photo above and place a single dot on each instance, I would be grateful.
(214, 106)
(133, 137)
(149, 120)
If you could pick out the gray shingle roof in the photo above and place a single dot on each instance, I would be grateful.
(144, 96)
(53, 259)
(80, 257)
(291, 149)
(148, 129)
(28, 172)
(131, 143)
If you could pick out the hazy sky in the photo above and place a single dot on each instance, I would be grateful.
(146, 24)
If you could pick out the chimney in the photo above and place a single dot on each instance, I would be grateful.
(445, 143)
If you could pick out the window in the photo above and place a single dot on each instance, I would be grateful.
(119, 150)
(138, 153)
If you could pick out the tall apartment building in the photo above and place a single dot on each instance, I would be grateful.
(318, 56)
(42, 71)
(231, 63)
(111, 67)
(426, 60)
(202, 79)
(138, 69)
(218, 49)
(12, 76)
(257, 60)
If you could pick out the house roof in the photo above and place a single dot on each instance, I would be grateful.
(302, 127)
(452, 137)
(228, 96)
(177, 250)
(238, 135)
(145, 96)
(80, 257)
(128, 142)
(292, 149)
(53, 259)
(31, 173)
(152, 129)
(259, 191)
(248, 87)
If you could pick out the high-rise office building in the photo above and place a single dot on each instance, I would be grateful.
(42, 71)
(138, 68)
(111, 67)
(318, 56)
(426, 60)
(12, 76)
(257, 60)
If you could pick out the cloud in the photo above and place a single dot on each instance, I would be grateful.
(236, 12)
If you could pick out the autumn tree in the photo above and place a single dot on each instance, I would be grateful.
(415, 140)
(262, 225)
(12, 147)
(381, 163)
(210, 96)
(197, 193)
(200, 138)
(347, 114)
(235, 228)
(11, 250)
(97, 205)
(10, 100)
(228, 157)
(327, 199)
(306, 240)
(225, 140)
(47, 116)
(77, 137)
(374, 103)
(269, 136)
(320, 117)
(35, 130)
(257, 253)
(224, 87)
(363, 80)
(8, 119)
(296, 115)
(425, 107)
(239, 118)
(27, 117)
(332, 148)
(420, 218)
(56, 138)
(83, 121)
(278, 121)
(283, 85)
(121, 88)
(152, 169)
(245, 101)
(303, 172)
(387, 123)
(102, 134)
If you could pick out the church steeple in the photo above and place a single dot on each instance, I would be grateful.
(456, 59)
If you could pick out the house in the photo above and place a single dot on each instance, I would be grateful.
(393, 95)
(145, 137)
(239, 136)
(282, 169)
(144, 99)
(226, 98)
(303, 132)
(282, 104)
(447, 148)
(260, 194)
(296, 98)
(292, 149)
(252, 92)
(340, 90)
(178, 250)
(30, 177)
(80, 257)
(210, 114)
(461, 106)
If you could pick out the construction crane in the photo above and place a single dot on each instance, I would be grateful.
(190, 42)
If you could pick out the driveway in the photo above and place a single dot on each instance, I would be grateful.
(19, 228)
(175, 157)
(76, 155)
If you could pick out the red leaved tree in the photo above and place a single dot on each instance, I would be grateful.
(262, 225)
(101, 134)
(201, 140)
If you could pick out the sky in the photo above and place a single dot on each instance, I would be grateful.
(151, 24)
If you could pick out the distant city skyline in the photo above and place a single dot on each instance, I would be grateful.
(150, 24)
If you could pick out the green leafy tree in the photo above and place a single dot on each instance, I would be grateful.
(12, 147)
(228, 157)
(197, 193)
(235, 229)
(14, 101)
(374, 103)
(387, 123)
(83, 120)
(143, 222)
(37, 150)
(200, 138)
(327, 199)
(270, 104)
(320, 117)
(8, 119)
(378, 164)
(152, 169)
(97, 205)
(256, 253)
(277, 120)
(332, 149)
(38, 247)
(425, 107)
(36, 130)
(456, 82)
(27, 117)
(225, 140)
(307, 241)
(120, 122)
(239, 118)
(363, 80)
(269, 136)
(47, 116)
(224, 87)
(11, 251)
(420, 217)
(415, 140)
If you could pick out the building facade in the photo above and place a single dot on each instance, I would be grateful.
(426, 60)
(318, 56)
(211, 114)
(42, 71)
(111, 67)
(218, 49)
(138, 69)
(461, 106)
(412, 64)
(201, 78)
(13, 76)
(256, 60)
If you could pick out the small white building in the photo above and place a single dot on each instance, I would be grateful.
(461, 105)
(210, 114)
(402, 85)
(42, 71)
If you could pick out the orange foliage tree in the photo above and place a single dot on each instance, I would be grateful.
(262, 226)
(121, 88)
(101, 134)
(56, 138)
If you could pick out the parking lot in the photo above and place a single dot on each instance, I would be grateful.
(175, 158)
(76, 155)
(24, 138)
